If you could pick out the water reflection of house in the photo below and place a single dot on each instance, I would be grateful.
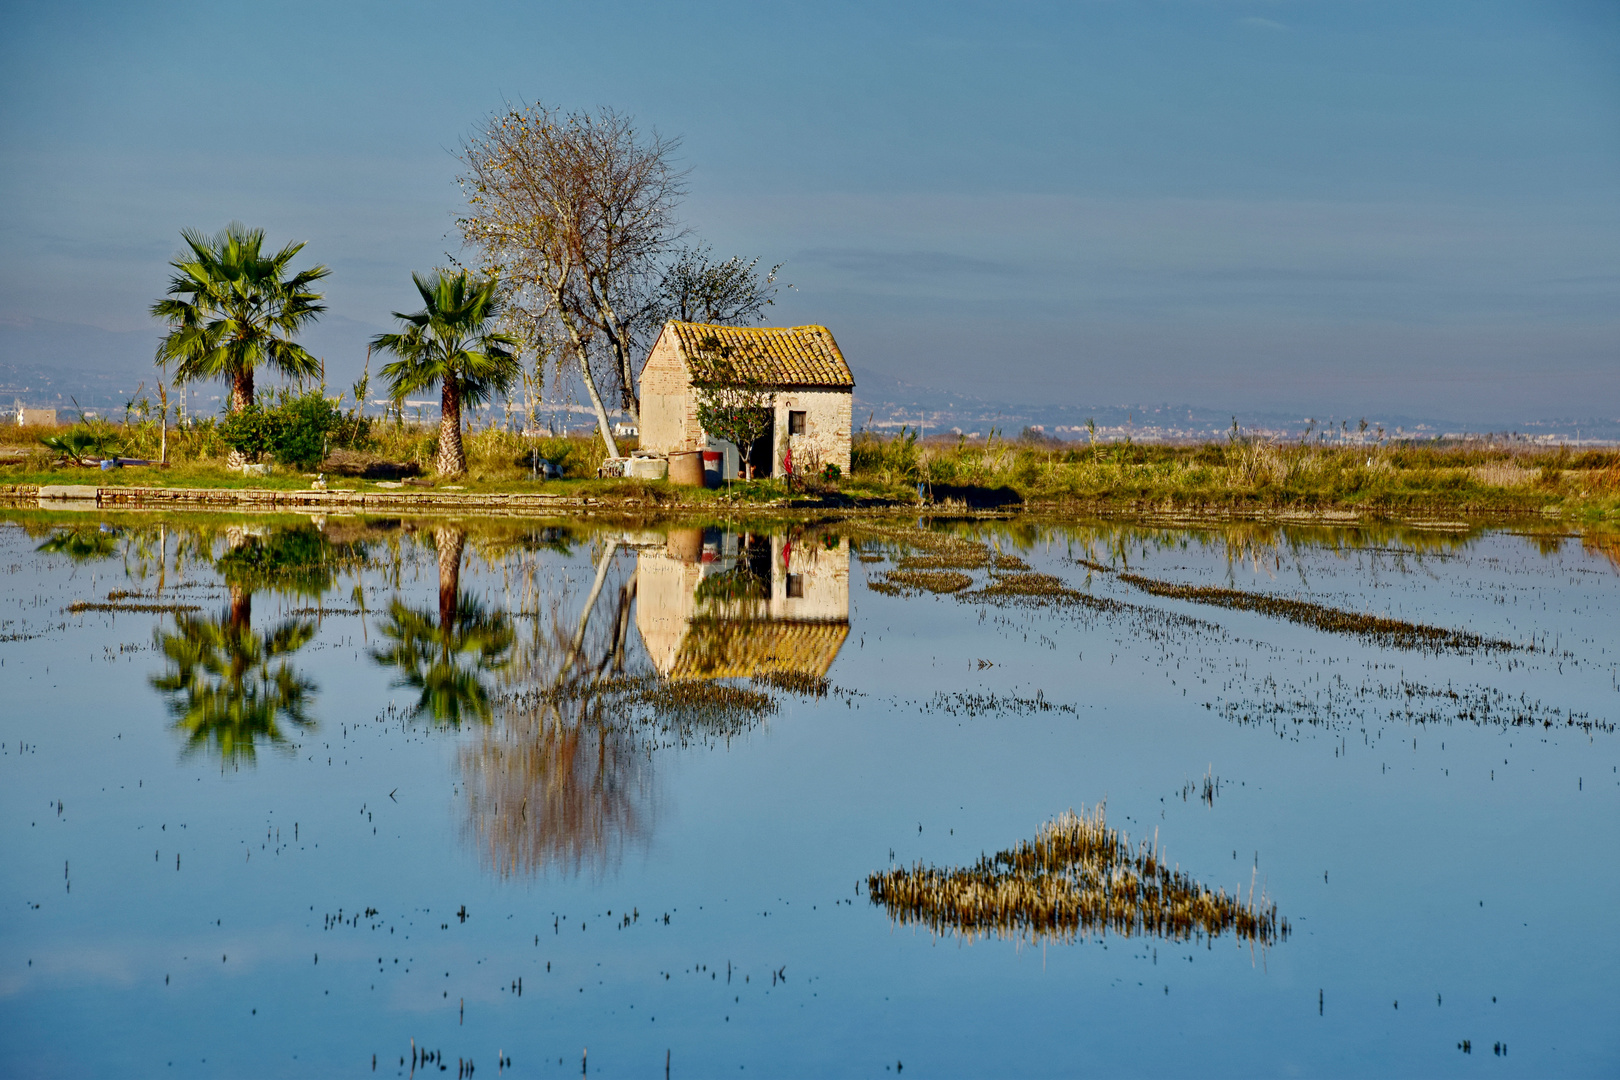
(714, 605)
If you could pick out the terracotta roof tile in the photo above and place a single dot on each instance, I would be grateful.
(777, 355)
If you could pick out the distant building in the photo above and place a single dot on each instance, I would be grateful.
(812, 391)
(35, 417)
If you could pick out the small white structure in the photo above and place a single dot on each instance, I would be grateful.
(35, 417)
(811, 387)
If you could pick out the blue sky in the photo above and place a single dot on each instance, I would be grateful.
(1314, 205)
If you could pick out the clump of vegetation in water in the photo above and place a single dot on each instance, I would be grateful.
(905, 582)
(1376, 629)
(1039, 590)
(801, 683)
(1077, 877)
(80, 606)
(684, 708)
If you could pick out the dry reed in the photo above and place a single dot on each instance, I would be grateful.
(1077, 877)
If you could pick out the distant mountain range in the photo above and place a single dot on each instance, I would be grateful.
(53, 364)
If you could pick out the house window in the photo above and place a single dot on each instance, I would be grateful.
(796, 582)
(795, 423)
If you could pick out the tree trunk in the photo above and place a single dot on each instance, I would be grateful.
(602, 423)
(449, 541)
(241, 398)
(452, 459)
(241, 616)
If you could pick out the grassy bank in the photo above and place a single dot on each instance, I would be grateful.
(1465, 478)
(1237, 476)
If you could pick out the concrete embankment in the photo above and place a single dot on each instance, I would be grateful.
(87, 497)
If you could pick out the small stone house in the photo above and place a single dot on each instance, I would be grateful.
(812, 391)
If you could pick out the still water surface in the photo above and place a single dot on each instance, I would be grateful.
(280, 797)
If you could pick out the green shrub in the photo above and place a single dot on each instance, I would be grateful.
(295, 428)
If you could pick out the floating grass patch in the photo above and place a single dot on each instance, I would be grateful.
(965, 557)
(968, 703)
(1008, 563)
(707, 705)
(908, 582)
(1377, 629)
(1077, 877)
(81, 606)
(685, 708)
(1037, 590)
(802, 683)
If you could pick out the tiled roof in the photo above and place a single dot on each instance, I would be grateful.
(728, 649)
(777, 355)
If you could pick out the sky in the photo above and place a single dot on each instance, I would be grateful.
(1324, 206)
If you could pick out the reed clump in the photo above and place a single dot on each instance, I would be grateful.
(1077, 877)
(685, 708)
(1376, 629)
(802, 683)
(906, 582)
(1037, 590)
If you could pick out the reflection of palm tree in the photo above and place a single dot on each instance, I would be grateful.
(447, 659)
(228, 686)
(223, 686)
(82, 543)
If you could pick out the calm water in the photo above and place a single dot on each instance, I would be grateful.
(308, 792)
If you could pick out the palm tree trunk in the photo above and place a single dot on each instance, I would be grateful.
(241, 398)
(241, 616)
(449, 541)
(452, 460)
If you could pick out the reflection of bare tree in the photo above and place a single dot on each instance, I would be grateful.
(550, 788)
(557, 783)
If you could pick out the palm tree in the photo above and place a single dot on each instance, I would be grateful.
(231, 307)
(452, 341)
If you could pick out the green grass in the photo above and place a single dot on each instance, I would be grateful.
(1476, 478)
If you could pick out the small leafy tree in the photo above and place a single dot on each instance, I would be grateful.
(732, 403)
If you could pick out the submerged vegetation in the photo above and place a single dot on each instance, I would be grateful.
(1377, 629)
(1077, 877)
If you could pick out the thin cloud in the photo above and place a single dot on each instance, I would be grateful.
(904, 263)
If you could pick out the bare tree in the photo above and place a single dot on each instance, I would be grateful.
(577, 211)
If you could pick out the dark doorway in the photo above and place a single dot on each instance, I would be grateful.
(762, 457)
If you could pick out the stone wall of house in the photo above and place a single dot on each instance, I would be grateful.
(668, 407)
(809, 580)
(827, 421)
